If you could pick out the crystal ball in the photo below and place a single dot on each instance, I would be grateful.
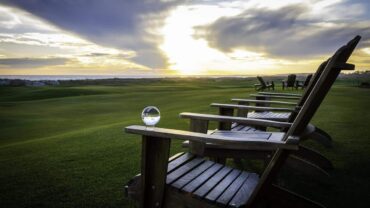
(150, 115)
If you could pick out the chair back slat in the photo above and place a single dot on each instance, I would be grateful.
(291, 80)
(263, 83)
(315, 97)
(307, 81)
(308, 90)
(319, 91)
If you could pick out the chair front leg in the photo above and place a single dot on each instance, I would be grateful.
(155, 154)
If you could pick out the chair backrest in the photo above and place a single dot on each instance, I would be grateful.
(291, 80)
(260, 79)
(308, 89)
(323, 85)
(307, 81)
(319, 91)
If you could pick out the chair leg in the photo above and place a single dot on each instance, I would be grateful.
(322, 137)
(306, 166)
(280, 197)
(314, 156)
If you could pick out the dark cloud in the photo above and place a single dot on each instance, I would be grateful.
(113, 23)
(31, 62)
(286, 32)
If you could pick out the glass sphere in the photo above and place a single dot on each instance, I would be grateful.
(151, 115)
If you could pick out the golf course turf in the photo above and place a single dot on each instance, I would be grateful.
(64, 146)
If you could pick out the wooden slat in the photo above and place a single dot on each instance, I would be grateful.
(240, 135)
(250, 107)
(230, 192)
(273, 116)
(243, 194)
(187, 178)
(175, 156)
(202, 178)
(241, 143)
(174, 164)
(185, 168)
(275, 96)
(239, 120)
(247, 129)
(237, 127)
(281, 94)
(276, 136)
(211, 182)
(223, 185)
(262, 101)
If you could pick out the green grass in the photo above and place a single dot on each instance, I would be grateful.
(64, 146)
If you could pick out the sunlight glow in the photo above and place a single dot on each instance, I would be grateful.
(190, 55)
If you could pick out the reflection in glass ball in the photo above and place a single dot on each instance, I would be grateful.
(151, 115)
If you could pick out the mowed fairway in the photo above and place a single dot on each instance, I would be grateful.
(64, 146)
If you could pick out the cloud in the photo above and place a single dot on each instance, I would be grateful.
(112, 23)
(289, 32)
(31, 62)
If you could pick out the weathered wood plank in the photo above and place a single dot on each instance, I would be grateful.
(246, 135)
(281, 94)
(243, 194)
(230, 192)
(185, 168)
(262, 101)
(275, 96)
(269, 115)
(241, 143)
(155, 154)
(202, 178)
(187, 178)
(211, 182)
(223, 185)
(239, 120)
(178, 161)
(250, 107)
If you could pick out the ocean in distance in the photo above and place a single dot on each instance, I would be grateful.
(84, 77)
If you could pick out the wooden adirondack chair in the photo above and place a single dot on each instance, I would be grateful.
(246, 126)
(289, 82)
(263, 85)
(189, 180)
(262, 110)
(303, 84)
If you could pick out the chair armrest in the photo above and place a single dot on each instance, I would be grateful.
(251, 107)
(280, 94)
(239, 120)
(275, 96)
(263, 101)
(158, 133)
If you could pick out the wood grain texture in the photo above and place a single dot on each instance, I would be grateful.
(281, 94)
(239, 120)
(275, 96)
(262, 101)
(242, 143)
(155, 154)
(250, 107)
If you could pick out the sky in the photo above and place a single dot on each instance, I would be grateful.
(178, 37)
